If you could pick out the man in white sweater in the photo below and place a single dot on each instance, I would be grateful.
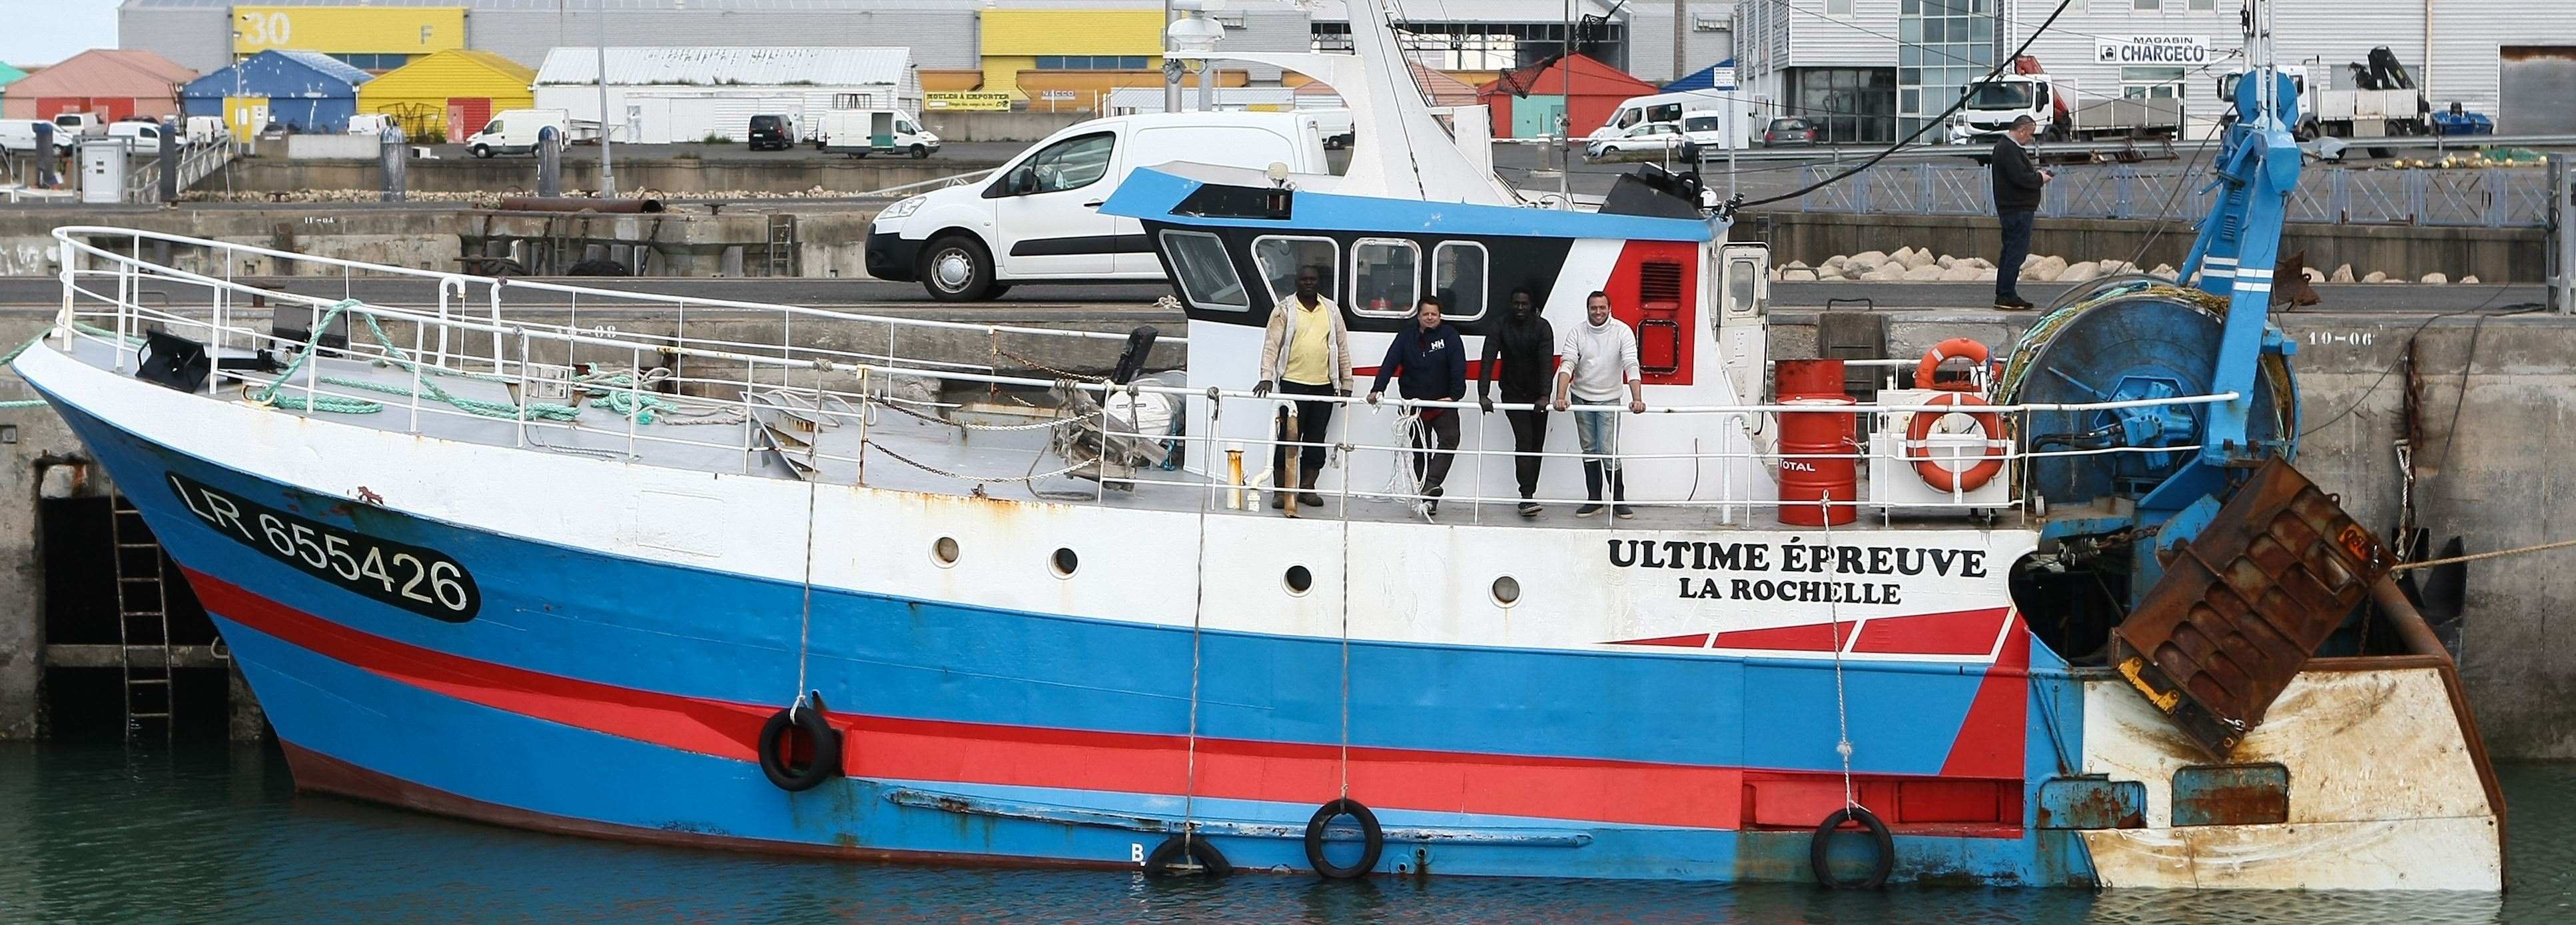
(1598, 362)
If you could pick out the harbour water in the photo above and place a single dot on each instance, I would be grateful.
(97, 833)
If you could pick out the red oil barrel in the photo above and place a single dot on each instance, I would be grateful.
(1808, 379)
(1805, 476)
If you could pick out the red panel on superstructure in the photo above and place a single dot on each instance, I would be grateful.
(1655, 291)
(1810, 637)
(1966, 632)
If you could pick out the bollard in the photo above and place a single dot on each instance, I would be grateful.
(391, 151)
(46, 155)
(170, 161)
(549, 164)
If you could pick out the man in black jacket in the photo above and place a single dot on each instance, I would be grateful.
(2017, 181)
(1522, 353)
(1430, 360)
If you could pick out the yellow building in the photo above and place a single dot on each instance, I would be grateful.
(1056, 47)
(449, 94)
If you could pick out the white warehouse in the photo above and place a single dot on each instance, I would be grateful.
(661, 95)
(1871, 70)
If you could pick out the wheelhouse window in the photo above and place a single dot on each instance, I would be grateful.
(1386, 276)
(1458, 278)
(1279, 259)
(1205, 274)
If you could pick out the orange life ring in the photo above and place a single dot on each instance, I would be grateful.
(1933, 474)
(1955, 348)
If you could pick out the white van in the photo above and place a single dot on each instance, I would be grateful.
(206, 130)
(514, 131)
(1664, 108)
(1038, 217)
(861, 132)
(140, 137)
(78, 123)
(20, 135)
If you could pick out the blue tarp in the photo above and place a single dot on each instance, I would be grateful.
(310, 91)
(1704, 78)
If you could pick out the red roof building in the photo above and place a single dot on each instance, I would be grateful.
(113, 83)
(1526, 102)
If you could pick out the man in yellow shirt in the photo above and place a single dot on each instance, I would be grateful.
(1305, 350)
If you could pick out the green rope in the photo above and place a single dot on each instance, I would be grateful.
(534, 411)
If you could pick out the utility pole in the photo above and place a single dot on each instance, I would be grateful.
(607, 167)
(1171, 68)
(1681, 36)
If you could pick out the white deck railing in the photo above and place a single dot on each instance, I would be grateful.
(485, 339)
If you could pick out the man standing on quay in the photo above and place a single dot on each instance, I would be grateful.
(2017, 182)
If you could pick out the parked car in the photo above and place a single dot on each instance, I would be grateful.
(1789, 133)
(369, 123)
(1652, 137)
(514, 131)
(772, 133)
(1038, 216)
(861, 132)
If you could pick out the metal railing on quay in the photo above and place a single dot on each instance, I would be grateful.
(714, 404)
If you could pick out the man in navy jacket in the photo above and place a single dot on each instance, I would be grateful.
(1432, 362)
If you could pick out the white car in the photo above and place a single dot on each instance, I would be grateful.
(1038, 216)
(1652, 138)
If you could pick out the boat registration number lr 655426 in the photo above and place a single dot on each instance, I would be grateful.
(416, 579)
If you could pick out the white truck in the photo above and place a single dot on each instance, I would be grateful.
(2062, 113)
(514, 131)
(2386, 105)
(1038, 216)
(861, 132)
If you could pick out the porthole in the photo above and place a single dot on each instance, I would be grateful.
(1507, 590)
(1299, 580)
(1064, 562)
(944, 552)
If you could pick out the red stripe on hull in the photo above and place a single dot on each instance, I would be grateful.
(916, 749)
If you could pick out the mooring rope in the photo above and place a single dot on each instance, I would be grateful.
(805, 621)
(2481, 556)
(1833, 613)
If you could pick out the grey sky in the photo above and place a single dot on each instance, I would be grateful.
(46, 31)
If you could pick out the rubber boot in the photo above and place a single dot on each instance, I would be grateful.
(1278, 479)
(1591, 489)
(1619, 494)
(1306, 477)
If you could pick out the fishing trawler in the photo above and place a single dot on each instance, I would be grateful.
(2051, 623)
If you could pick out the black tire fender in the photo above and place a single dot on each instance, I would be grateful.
(1879, 838)
(1191, 845)
(1372, 839)
(777, 752)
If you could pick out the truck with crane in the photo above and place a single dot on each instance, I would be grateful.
(2052, 101)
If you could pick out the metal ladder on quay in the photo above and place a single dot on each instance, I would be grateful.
(142, 625)
(782, 244)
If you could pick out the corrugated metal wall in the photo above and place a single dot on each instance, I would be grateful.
(2466, 34)
(939, 38)
(1650, 39)
(678, 114)
(197, 38)
(1818, 40)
